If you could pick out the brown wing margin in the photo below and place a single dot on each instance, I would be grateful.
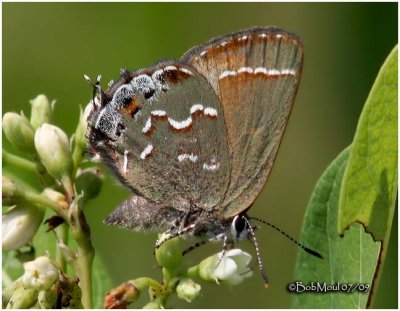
(255, 73)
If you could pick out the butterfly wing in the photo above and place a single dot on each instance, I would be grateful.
(139, 214)
(161, 130)
(256, 74)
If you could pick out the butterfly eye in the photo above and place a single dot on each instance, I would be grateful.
(239, 228)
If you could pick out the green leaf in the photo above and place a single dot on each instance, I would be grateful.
(348, 260)
(370, 179)
(357, 192)
(369, 188)
(102, 283)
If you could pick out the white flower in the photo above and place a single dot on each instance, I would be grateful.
(19, 225)
(40, 273)
(188, 290)
(53, 147)
(231, 269)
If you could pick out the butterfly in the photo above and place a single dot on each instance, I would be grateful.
(195, 139)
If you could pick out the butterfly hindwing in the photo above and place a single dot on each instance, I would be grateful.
(139, 214)
(256, 74)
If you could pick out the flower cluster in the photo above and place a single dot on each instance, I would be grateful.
(46, 151)
(230, 268)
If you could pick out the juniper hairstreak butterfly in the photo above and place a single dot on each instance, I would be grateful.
(195, 139)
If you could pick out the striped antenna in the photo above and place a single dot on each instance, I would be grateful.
(306, 249)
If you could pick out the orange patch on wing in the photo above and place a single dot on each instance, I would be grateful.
(132, 107)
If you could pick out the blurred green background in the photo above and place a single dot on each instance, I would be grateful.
(47, 47)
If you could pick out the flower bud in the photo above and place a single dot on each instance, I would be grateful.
(56, 196)
(10, 190)
(47, 299)
(80, 133)
(52, 145)
(40, 273)
(169, 254)
(156, 304)
(121, 296)
(89, 181)
(17, 296)
(41, 111)
(19, 132)
(231, 269)
(19, 226)
(188, 290)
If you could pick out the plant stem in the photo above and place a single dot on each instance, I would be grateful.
(85, 254)
(143, 282)
(19, 162)
(84, 270)
(28, 165)
(62, 236)
(43, 201)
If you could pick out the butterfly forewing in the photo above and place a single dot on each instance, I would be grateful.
(256, 74)
(165, 136)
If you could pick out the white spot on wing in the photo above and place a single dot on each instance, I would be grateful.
(180, 124)
(192, 157)
(227, 73)
(245, 69)
(143, 83)
(289, 72)
(274, 72)
(125, 168)
(261, 70)
(195, 108)
(147, 126)
(176, 124)
(159, 113)
(212, 112)
(157, 77)
(146, 152)
(170, 68)
(268, 72)
(187, 71)
(211, 167)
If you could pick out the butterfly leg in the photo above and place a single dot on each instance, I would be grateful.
(172, 235)
(226, 243)
(193, 247)
(179, 228)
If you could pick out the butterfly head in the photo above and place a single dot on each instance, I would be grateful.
(239, 229)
